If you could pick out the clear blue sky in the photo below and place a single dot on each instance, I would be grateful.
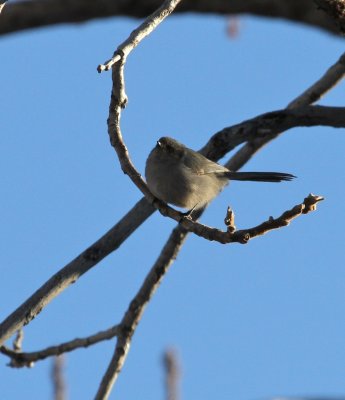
(248, 322)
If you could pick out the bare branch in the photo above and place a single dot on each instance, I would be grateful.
(308, 205)
(109, 242)
(331, 78)
(268, 125)
(143, 30)
(136, 308)
(335, 9)
(22, 359)
(32, 14)
(172, 374)
(58, 378)
(244, 235)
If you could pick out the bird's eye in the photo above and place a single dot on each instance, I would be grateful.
(159, 144)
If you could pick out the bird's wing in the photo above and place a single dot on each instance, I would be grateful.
(201, 165)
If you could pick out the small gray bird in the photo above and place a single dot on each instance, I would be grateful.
(187, 179)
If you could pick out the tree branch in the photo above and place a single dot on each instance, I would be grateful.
(330, 79)
(136, 308)
(172, 374)
(336, 10)
(23, 359)
(268, 125)
(244, 235)
(59, 384)
(33, 14)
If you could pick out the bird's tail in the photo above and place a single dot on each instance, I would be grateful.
(259, 176)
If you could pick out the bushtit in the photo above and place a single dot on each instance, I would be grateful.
(187, 179)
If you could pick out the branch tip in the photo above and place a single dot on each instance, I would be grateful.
(109, 64)
(230, 220)
(310, 202)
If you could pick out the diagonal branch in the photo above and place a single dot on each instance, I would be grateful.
(330, 78)
(328, 81)
(90, 257)
(136, 308)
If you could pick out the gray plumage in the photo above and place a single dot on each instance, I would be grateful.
(185, 178)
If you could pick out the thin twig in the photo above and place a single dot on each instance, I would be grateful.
(59, 385)
(244, 235)
(22, 359)
(143, 30)
(172, 374)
